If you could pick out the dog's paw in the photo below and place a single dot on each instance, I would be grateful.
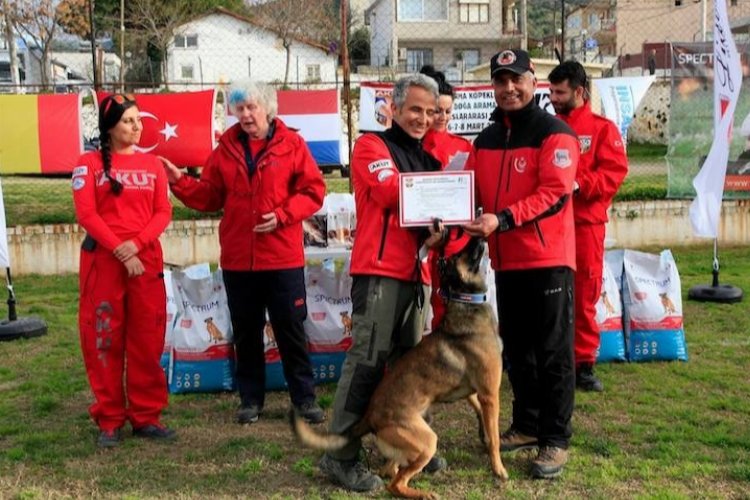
(501, 474)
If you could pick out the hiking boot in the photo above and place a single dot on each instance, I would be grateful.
(310, 412)
(108, 439)
(586, 380)
(351, 474)
(155, 431)
(436, 464)
(512, 440)
(549, 462)
(248, 414)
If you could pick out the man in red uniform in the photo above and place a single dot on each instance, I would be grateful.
(387, 318)
(601, 169)
(525, 164)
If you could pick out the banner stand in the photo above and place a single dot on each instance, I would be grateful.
(15, 327)
(726, 294)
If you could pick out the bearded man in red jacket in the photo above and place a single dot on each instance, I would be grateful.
(601, 170)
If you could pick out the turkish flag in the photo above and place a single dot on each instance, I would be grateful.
(178, 126)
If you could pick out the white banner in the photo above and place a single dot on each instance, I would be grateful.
(709, 183)
(471, 109)
(4, 255)
(621, 97)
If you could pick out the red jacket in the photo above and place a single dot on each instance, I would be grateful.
(287, 182)
(525, 164)
(382, 247)
(140, 213)
(602, 167)
(444, 145)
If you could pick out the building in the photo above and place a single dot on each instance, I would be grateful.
(221, 46)
(452, 35)
(590, 33)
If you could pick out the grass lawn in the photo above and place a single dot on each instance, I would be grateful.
(661, 430)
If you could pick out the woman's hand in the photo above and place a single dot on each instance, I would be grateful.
(126, 250)
(271, 223)
(134, 267)
(173, 173)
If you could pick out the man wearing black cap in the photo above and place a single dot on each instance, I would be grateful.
(525, 164)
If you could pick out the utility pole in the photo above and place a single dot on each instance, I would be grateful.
(347, 84)
(122, 45)
(562, 25)
(94, 66)
(524, 26)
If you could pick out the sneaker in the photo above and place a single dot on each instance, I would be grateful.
(310, 412)
(155, 431)
(549, 463)
(351, 474)
(436, 464)
(249, 414)
(512, 440)
(586, 380)
(108, 439)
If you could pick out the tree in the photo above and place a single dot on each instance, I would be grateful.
(10, 40)
(297, 20)
(36, 21)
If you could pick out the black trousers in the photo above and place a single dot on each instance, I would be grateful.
(282, 292)
(536, 323)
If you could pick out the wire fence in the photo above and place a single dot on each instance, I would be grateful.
(157, 46)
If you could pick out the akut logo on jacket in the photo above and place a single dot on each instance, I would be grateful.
(130, 180)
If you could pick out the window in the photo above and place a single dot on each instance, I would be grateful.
(416, 58)
(186, 41)
(733, 3)
(678, 3)
(474, 11)
(249, 67)
(470, 57)
(422, 10)
(313, 73)
(186, 71)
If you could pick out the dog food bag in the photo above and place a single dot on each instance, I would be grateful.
(196, 271)
(654, 302)
(609, 319)
(342, 221)
(202, 355)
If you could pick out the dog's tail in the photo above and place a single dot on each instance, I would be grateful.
(314, 439)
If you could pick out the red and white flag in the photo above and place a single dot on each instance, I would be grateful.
(709, 183)
(178, 126)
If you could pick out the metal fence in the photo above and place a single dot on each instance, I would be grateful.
(157, 46)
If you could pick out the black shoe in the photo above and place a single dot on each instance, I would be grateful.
(310, 412)
(586, 380)
(155, 431)
(249, 414)
(436, 464)
(351, 474)
(108, 439)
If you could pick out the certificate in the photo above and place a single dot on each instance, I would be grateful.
(443, 195)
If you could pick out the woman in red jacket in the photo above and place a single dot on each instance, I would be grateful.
(121, 201)
(443, 145)
(265, 179)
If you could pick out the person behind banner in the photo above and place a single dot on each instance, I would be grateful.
(386, 310)
(602, 168)
(121, 200)
(444, 146)
(525, 164)
(265, 179)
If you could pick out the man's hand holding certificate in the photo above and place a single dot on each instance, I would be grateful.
(447, 195)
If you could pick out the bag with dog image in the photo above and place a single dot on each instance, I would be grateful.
(653, 299)
(202, 351)
(609, 318)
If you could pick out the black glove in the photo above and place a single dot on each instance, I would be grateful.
(505, 221)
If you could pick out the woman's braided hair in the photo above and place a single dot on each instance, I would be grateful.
(111, 110)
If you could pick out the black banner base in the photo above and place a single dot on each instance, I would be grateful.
(726, 294)
(22, 328)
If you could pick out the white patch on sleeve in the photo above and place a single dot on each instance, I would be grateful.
(379, 165)
(562, 158)
(81, 170)
(382, 176)
(78, 183)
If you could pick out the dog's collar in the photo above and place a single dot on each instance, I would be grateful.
(464, 298)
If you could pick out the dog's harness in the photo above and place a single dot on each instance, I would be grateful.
(464, 298)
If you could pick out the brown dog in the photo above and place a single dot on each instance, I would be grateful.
(460, 359)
